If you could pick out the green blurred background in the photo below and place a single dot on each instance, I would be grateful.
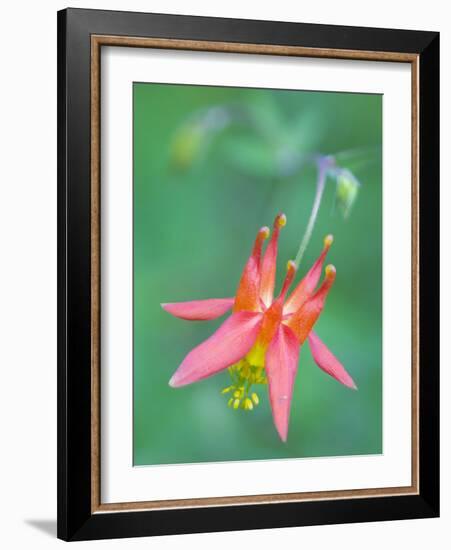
(211, 166)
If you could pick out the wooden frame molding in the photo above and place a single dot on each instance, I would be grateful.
(97, 41)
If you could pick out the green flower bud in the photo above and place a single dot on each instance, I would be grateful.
(186, 146)
(346, 191)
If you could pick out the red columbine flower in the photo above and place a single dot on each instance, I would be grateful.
(261, 339)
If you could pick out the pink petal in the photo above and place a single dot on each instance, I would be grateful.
(248, 292)
(308, 284)
(230, 343)
(199, 310)
(303, 320)
(268, 268)
(281, 367)
(327, 361)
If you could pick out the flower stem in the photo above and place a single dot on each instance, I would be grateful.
(323, 164)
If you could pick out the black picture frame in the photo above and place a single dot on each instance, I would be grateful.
(76, 519)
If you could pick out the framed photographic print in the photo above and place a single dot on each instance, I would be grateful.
(248, 274)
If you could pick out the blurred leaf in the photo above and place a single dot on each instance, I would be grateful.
(250, 156)
(359, 159)
(305, 130)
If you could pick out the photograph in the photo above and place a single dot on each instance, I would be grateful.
(257, 274)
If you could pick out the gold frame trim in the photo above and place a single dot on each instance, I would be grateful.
(97, 41)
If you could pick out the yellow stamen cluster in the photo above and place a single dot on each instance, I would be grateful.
(244, 376)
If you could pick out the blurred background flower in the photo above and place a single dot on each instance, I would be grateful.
(267, 145)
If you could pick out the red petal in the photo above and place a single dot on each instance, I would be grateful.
(230, 343)
(199, 310)
(272, 317)
(248, 293)
(303, 320)
(327, 361)
(281, 367)
(308, 284)
(269, 263)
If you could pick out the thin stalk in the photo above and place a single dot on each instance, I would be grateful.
(323, 166)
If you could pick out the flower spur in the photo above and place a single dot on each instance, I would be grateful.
(260, 342)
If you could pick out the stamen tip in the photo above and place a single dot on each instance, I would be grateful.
(330, 271)
(281, 220)
(264, 232)
(328, 240)
(291, 266)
